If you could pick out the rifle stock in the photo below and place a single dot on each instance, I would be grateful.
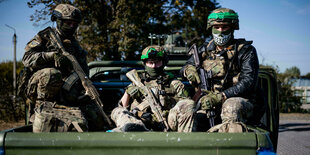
(204, 85)
(154, 104)
(86, 83)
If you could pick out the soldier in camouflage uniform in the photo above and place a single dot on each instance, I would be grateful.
(54, 89)
(134, 112)
(233, 65)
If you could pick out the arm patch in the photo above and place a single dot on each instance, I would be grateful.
(35, 42)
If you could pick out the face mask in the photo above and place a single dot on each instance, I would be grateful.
(66, 29)
(154, 72)
(221, 38)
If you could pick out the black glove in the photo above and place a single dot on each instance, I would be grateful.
(144, 116)
(62, 62)
(68, 46)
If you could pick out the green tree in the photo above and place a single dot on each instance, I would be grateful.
(289, 102)
(306, 75)
(115, 29)
(293, 72)
(288, 99)
(6, 74)
(8, 111)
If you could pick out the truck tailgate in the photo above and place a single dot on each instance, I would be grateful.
(133, 143)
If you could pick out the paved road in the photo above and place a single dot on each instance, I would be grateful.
(294, 136)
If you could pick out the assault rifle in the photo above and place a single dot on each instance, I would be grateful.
(204, 85)
(87, 84)
(153, 102)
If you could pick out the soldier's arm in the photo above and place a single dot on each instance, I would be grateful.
(191, 60)
(131, 92)
(125, 100)
(247, 81)
(179, 89)
(36, 55)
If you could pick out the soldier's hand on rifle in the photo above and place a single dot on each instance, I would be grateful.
(211, 100)
(191, 74)
(68, 46)
(62, 62)
(134, 91)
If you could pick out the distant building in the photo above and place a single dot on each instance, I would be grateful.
(302, 88)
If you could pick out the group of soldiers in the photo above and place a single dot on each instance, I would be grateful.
(155, 100)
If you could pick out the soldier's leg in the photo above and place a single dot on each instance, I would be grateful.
(236, 109)
(235, 112)
(181, 116)
(42, 88)
(123, 119)
(44, 84)
(94, 118)
(52, 118)
(43, 117)
(69, 119)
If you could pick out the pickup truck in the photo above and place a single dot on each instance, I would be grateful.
(109, 79)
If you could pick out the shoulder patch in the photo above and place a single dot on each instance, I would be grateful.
(33, 43)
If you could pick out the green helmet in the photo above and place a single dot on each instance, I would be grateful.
(154, 52)
(66, 11)
(223, 16)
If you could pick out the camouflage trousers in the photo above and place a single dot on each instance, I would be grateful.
(44, 84)
(43, 89)
(49, 117)
(235, 112)
(181, 116)
(121, 117)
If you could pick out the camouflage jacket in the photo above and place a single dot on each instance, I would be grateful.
(166, 89)
(234, 70)
(39, 52)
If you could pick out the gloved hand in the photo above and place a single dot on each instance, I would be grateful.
(68, 46)
(210, 100)
(191, 74)
(134, 91)
(164, 115)
(62, 62)
(145, 116)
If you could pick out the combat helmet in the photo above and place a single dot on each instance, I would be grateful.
(223, 16)
(66, 11)
(155, 52)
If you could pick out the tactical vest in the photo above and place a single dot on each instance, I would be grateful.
(163, 90)
(223, 65)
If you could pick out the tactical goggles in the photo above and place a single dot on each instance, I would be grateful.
(152, 53)
(223, 15)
